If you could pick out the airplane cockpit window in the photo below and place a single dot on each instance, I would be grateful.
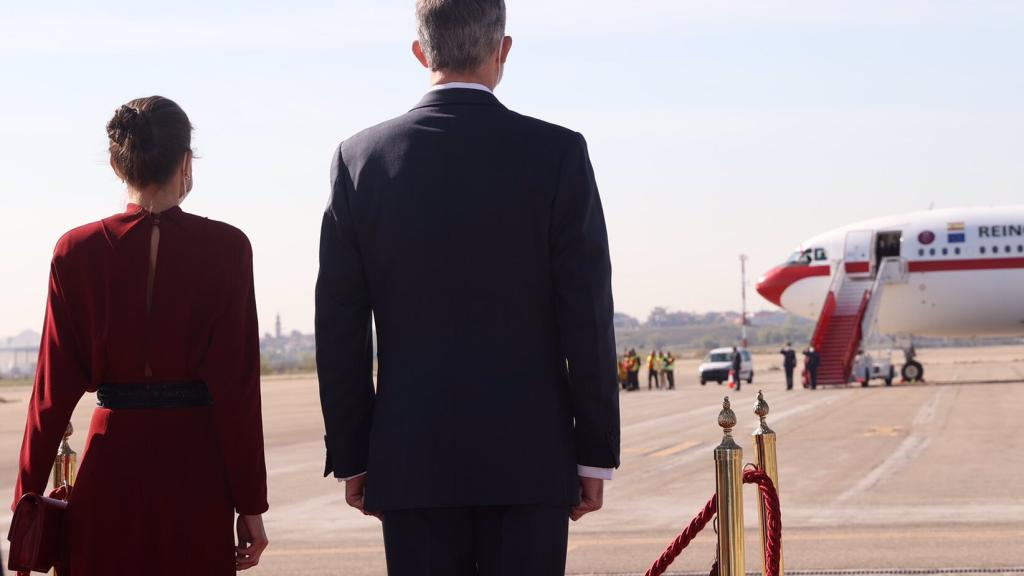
(820, 254)
(800, 258)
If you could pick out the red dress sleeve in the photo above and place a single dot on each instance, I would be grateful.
(231, 369)
(62, 377)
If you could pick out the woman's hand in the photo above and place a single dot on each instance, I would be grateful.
(252, 541)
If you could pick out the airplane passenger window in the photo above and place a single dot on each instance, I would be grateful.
(956, 251)
(819, 254)
(945, 251)
(931, 252)
(920, 251)
(1020, 247)
(982, 249)
(995, 249)
(1008, 250)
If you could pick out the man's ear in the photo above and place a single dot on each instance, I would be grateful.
(506, 46)
(417, 51)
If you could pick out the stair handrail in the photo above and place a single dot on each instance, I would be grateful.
(869, 324)
(858, 335)
(825, 317)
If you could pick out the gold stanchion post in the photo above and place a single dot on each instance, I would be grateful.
(66, 463)
(729, 492)
(765, 456)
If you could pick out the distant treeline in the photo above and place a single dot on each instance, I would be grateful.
(686, 334)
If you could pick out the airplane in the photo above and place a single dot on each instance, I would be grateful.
(936, 273)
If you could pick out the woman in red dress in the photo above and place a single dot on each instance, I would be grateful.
(154, 310)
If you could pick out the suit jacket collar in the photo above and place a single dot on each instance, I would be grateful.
(458, 96)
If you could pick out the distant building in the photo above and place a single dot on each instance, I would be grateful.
(277, 326)
(19, 354)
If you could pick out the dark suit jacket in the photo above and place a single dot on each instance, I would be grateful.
(475, 237)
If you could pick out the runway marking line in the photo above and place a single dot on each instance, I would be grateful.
(674, 449)
(888, 431)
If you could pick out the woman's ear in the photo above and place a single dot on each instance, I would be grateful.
(117, 172)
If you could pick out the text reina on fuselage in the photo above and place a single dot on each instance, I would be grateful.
(1000, 231)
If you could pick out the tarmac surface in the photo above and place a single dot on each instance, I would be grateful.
(923, 477)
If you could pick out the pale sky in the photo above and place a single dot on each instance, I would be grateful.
(716, 128)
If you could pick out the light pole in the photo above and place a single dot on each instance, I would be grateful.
(743, 295)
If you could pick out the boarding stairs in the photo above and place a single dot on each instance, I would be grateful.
(838, 332)
(849, 318)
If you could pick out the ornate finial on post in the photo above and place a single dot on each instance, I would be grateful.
(729, 492)
(761, 409)
(767, 460)
(66, 463)
(727, 420)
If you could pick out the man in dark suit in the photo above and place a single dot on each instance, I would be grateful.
(788, 363)
(737, 367)
(462, 225)
(811, 360)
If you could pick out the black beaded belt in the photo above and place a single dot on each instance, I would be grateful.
(192, 394)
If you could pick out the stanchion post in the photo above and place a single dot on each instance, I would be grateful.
(729, 492)
(767, 460)
(66, 464)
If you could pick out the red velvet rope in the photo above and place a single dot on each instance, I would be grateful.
(773, 519)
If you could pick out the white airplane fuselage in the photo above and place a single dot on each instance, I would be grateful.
(964, 271)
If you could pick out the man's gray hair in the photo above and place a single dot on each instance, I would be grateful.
(459, 35)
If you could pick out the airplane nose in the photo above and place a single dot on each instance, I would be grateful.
(772, 285)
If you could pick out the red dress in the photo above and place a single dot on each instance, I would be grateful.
(157, 488)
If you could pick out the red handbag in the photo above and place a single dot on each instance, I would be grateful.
(37, 533)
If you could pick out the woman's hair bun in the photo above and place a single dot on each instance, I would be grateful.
(148, 139)
(124, 124)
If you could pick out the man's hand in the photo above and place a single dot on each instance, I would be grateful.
(591, 497)
(354, 489)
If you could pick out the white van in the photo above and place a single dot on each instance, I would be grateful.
(718, 363)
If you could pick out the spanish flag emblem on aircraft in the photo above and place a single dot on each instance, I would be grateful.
(956, 232)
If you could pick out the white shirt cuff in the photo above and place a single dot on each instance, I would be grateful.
(597, 473)
(351, 477)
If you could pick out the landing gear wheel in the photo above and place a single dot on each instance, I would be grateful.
(703, 382)
(913, 371)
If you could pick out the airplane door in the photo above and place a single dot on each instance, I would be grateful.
(859, 253)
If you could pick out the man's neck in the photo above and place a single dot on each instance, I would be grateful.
(442, 77)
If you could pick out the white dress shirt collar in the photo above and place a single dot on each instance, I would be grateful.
(466, 85)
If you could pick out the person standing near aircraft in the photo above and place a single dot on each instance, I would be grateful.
(463, 225)
(737, 367)
(811, 361)
(788, 363)
(652, 369)
(634, 369)
(670, 368)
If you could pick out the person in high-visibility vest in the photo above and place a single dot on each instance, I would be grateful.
(634, 369)
(670, 367)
